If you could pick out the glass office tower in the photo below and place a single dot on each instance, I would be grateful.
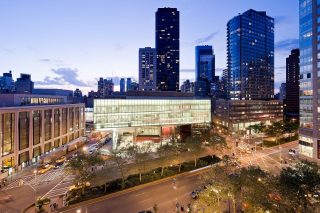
(205, 70)
(167, 45)
(309, 143)
(250, 56)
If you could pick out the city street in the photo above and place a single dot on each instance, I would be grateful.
(164, 194)
(53, 183)
(268, 158)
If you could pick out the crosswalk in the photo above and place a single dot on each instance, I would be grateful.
(35, 180)
(61, 188)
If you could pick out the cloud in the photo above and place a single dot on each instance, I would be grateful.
(205, 39)
(287, 44)
(70, 76)
(56, 62)
(51, 81)
(65, 76)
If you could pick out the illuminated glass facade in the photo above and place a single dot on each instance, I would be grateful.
(167, 46)
(235, 115)
(250, 56)
(27, 132)
(309, 143)
(116, 113)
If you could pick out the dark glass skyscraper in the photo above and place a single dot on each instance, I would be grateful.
(122, 85)
(167, 45)
(292, 85)
(250, 56)
(205, 70)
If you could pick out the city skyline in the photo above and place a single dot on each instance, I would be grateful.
(59, 43)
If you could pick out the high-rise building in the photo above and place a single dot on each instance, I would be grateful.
(122, 85)
(100, 87)
(225, 84)
(205, 63)
(129, 81)
(134, 86)
(250, 56)
(24, 85)
(187, 87)
(292, 85)
(6, 83)
(167, 46)
(108, 87)
(282, 92)
(309, 134)
(77, 93)
(205, 70)
(147, 69)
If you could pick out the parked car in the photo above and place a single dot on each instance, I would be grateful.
(45, 168)
(194, 195)
(61, 159)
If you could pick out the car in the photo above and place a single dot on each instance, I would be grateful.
(292, 152)
(194, 195)
(45, 168)
(61, 159)
(58, 165)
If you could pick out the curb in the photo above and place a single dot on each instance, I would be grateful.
(135, 188)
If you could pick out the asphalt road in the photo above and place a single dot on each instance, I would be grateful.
(163, 194)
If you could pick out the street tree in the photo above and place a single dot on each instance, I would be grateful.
(83, 167)
(165, 152)
(141, 156)
(194, 146)
(120, 157)
(298, 185)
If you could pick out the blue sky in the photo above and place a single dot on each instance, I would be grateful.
(70, 43)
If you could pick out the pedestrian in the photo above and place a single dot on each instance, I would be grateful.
(182, 208)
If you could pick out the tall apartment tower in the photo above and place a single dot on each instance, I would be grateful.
(129, 81)
(147, 69)
(292, 85)
(250, 56)
(122, 85)
(309, 134)
(167, 46)
(205, 70)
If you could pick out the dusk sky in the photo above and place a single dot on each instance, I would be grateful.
(70, 43)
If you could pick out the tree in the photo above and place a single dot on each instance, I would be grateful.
(299, 184)
(194, 145)
(119, 158)
(141, 155)
(83, 167)
(164, 152)
(257, 128)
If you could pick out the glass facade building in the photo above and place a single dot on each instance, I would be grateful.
(250, 56)
(168, 46)
(117, 113)
(309, 37)
(27, 132)
(147, 69)
(205, 70)
(235, 115)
